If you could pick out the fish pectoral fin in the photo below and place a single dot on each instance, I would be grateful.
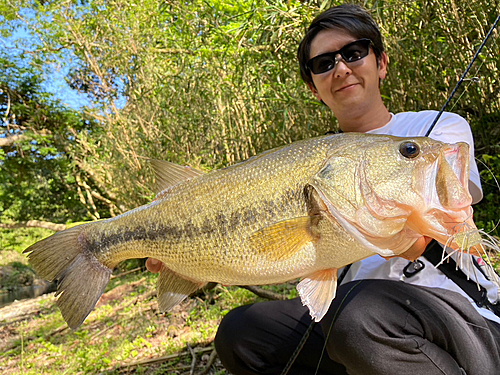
(169, 174)
(172, 289)
(317, 292)
(282, 239)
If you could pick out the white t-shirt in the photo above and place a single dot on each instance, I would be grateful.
(451, 128)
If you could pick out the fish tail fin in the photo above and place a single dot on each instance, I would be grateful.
(81, 278)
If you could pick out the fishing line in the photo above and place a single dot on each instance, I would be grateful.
(333, 321)
(298, 349)
(302, 342)
(472, 80)
(497, 185)
(304, 338)
(463, 76)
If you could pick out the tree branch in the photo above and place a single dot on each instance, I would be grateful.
(264, 293)
(35, 224)
(10, 140)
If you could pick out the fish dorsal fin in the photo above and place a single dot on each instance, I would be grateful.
(172, 288)
(317, 292)
(169, 174)
(283, 239)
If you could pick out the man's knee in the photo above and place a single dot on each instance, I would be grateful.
(259, 338)
(362, 309)
(237, 341)
(229, 336)
(360, 301)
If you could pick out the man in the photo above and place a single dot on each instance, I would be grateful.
(384, 319)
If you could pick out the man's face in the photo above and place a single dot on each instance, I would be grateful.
(348, 88)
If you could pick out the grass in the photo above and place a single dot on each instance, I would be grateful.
(123, 335)
(14, 241)
(125, 328)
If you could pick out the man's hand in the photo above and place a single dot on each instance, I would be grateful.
(153, 265)
(416, 250)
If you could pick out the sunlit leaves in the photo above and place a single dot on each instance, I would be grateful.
(212, 82)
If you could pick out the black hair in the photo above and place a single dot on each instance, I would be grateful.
(350, 18)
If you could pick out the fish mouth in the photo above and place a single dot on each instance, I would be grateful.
(457, 156)
(447, 198)
(454, 233)
(443, 184)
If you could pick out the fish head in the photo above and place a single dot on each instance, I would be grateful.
(389, 191)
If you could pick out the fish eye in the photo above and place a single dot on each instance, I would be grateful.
(409, 150)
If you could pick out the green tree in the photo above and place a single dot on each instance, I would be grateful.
(38, 165)
(213, 82)
(206, 82)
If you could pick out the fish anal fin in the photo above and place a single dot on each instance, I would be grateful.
(283, 239)
(317, 292)
(172, 289)
(169, 174)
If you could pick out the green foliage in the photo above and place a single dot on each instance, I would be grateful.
(14, 269)
(206, 83)
(14, 275)
(430, 43)
(123, 330)
(210, 83)
(16, 240)
(486, 215)
(38, 158)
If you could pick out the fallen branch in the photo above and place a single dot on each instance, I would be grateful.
(62, 328)
(101, 332)
(20, 310)
(126, 273)
(148, 295)
(35, 224)
(193, 359)
(210, 362)
(264, 293)
(161, 359)
(10, 140)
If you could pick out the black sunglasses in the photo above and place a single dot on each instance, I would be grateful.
(351, 52)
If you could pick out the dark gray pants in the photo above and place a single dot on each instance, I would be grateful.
(380, 327)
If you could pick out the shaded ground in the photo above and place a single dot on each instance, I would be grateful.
(124, 335)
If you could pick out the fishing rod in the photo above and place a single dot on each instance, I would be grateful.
(302, 342)
(463, 76)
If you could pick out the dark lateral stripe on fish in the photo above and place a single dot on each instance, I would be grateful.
(222, 224)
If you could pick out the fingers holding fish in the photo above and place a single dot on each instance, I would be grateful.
(153, 265)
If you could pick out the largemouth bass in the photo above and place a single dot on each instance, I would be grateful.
(299, 211)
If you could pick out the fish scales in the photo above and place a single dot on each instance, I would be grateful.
(206, 226)
(299, 211)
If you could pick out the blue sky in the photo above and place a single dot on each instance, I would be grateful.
(55, 72)
(56, 84)
(54, 77)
